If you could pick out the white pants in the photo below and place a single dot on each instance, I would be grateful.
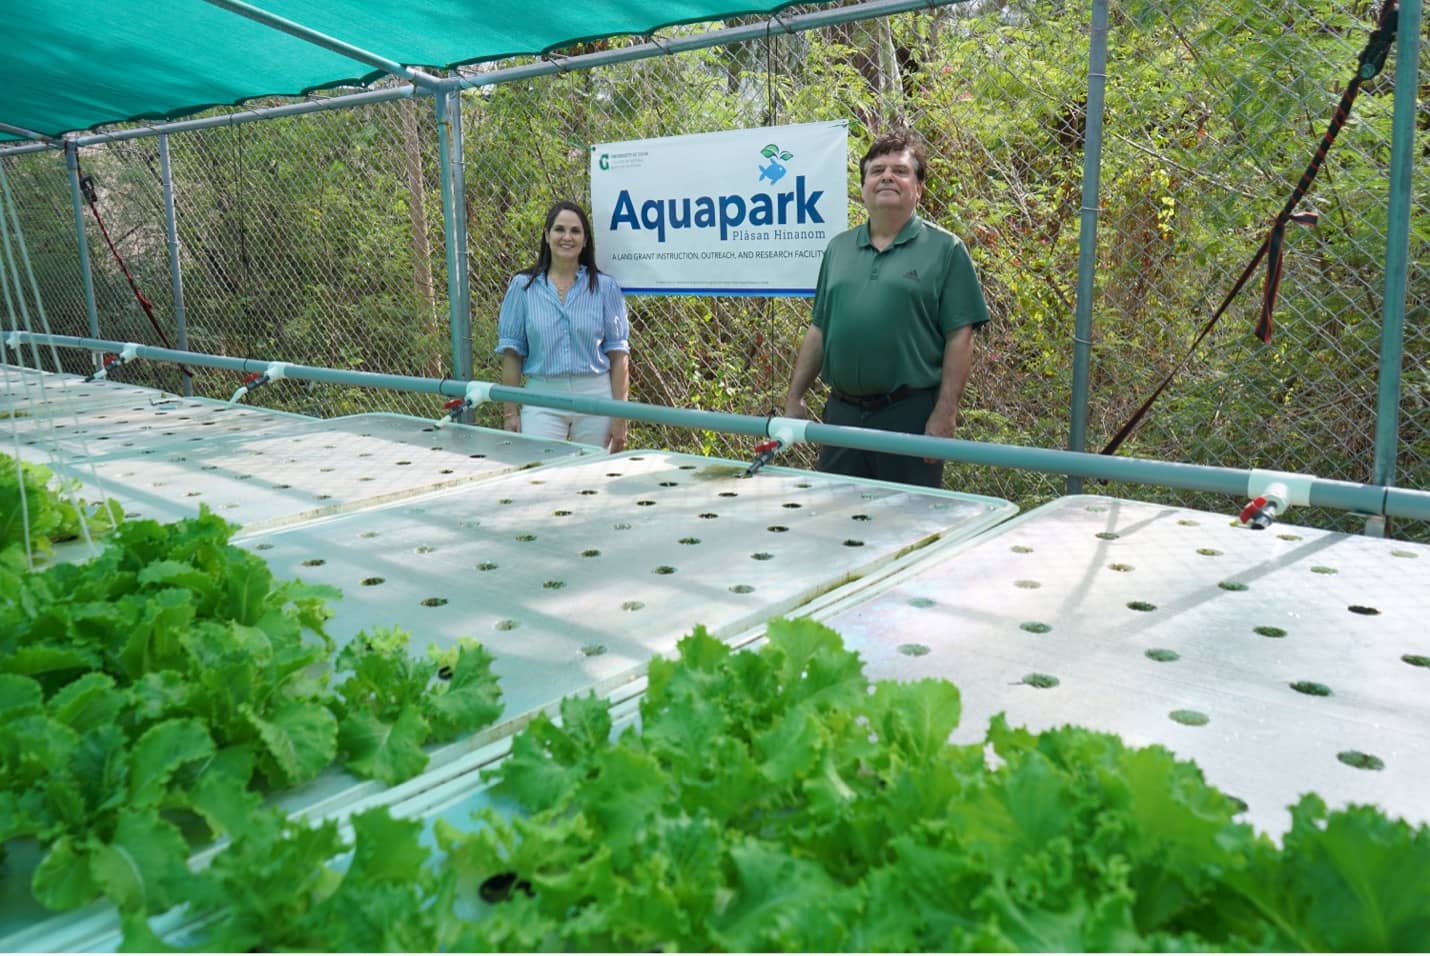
(561, 424)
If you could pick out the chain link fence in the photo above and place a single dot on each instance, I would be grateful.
(318, 239)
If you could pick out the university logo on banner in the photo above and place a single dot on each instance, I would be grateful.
(743, 212)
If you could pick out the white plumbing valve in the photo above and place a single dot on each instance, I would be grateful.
(787, 431)
(479, 392)
(1288, 487)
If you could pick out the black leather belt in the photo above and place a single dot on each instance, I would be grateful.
(874, 403)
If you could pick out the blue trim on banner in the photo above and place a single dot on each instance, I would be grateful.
(754, 293)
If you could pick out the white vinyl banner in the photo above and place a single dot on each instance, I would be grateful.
(743, 212)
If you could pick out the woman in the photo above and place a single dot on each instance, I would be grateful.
(563, 324)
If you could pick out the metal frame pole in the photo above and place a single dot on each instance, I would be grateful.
(404, 92)
(27, 134)
(1397, 243)
(317, 38)
(30, 148)
(1087, 237)
(176, 276)
(712, 38)
(454, 229)
(72, 162)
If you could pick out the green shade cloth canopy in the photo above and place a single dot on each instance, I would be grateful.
(80, 64)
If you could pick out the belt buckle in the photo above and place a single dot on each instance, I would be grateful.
(877, 403)
(869, 403)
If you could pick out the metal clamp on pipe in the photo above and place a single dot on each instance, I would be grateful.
(13, 341)
(1272, 492)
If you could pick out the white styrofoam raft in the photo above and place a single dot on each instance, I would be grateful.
(1140, 611)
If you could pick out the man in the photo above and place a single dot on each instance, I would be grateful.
(892, 332)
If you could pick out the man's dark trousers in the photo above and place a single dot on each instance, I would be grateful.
(908, 415)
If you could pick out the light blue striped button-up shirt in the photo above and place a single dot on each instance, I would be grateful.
(563, 338)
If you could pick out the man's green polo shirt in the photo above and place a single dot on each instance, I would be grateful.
(885, 315)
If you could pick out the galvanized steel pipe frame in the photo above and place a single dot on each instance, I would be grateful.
(452, 165)
(431, 86)
(176, 274)
(1397, 241)
(91, 309)
(1236, 482)
(1087, 234)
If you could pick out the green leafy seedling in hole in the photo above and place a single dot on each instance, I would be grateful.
(1040, 681)
(1359, 760)
(1191, 718)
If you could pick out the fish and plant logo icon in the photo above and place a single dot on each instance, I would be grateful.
(776, 169)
